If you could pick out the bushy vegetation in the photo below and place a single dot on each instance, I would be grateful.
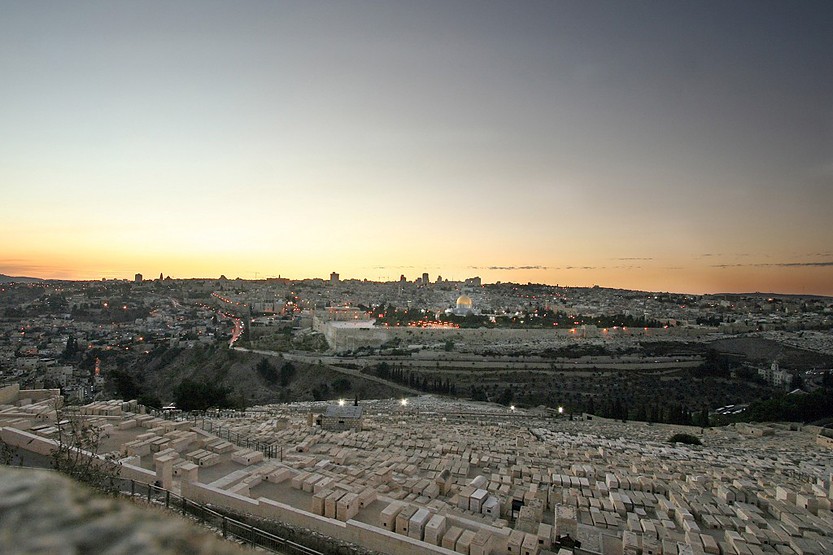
(126, 387)
(76, 439)
(796, 408)
(192, 395)
(687, 439)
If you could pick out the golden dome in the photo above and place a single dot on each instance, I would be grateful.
(464, 301)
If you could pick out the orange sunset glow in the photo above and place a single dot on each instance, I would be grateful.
(555, 143)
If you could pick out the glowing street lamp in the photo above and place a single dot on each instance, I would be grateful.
(341, 402)
(404, 402)
(560, 410)
(512, 408)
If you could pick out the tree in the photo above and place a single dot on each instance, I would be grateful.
(797, 381)
(701, 418)
(287, 373)
(76, 452)
(340, 385)
(125, 385)
(192, 395)
(321, 392)
(70, 349)
(641, 413)
(506, 396)
(267, 371)
(477, 394)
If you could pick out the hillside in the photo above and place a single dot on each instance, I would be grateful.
(764, 351)
(155, 377)
(18, 279)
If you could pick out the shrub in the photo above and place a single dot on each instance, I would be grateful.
(688, 439)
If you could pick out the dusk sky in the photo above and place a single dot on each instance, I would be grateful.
(672, 146)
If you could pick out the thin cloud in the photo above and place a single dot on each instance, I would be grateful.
(21, 267)
(825, 264)
(540, 267)
(634, 258)
(536, 267)
(808, 264)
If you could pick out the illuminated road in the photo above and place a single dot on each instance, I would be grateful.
(236, 332)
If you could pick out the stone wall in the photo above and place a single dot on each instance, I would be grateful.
(44, 512)
(351, 531)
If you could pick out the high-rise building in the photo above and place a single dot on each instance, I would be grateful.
(334, 279)
(425, 278)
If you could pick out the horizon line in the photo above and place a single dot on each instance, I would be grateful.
(450, 281)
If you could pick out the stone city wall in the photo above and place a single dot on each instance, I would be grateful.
(342, 337)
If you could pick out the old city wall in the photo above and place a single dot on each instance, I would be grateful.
(345, 337)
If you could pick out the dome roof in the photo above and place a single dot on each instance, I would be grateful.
(464, 301)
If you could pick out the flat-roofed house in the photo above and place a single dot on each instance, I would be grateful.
(339, 418)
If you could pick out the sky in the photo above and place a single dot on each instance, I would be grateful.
(663, 146)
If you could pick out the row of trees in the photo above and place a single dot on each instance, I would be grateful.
(413, 380)
(607, 407)
(665, 413)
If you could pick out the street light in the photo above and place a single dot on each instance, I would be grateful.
(341, 402)
(512, 408)
(404, 402)
(560, 410)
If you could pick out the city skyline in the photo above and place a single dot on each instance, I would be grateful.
(680, 146)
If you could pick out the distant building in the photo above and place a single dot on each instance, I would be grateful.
(339, 418)
(137, 278)
(341, 314)
(464, 306)
(425, 278)
(334, 278)
(825, 439)
(473, 281)
(774, 375)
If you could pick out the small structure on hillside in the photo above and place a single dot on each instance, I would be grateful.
(339, 418)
